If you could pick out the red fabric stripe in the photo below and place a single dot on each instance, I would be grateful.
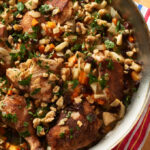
(138, 132)
(140, 137)
(147, 15)
(122, 144)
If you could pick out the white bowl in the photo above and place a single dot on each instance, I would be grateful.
(139, 102)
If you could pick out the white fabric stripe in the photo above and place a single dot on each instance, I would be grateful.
(136, 3)
(144, 10)
(148, 23)
(143, 142)
(137, 127)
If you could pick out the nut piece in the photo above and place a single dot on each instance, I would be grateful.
(32, 4)
(119, 39)
(61, 46)
(49, 117)
(80, 28)
(62, 121)
(36, 122)
(79, 123)
(135, 76)
(60, 102)
(108, 118)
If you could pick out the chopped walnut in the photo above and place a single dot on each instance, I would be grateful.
(62, 121)
(60, 102)
(78, 99)
(79, 123)
(54, 98)
(65, 72)
(56, 89)
(36, 122)
(50, 116)
(80, 28)
(53, 77)
(88, 17)
(32, 4)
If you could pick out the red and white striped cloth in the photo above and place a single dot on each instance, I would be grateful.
(137, 136)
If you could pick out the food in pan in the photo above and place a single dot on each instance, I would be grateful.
(68, 70)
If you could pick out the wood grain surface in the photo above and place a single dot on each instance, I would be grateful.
(144, 2)
(147, 144)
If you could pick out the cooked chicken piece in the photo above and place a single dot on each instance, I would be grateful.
(26, 23)
(33, 72)
(3, 31)
(15, 115)
(76, 128)
(115, 85)
(65, 7)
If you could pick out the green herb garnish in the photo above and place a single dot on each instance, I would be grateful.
(103, 82)
(20, 6)
(24, 134)
(75, 83)
(25, 124)
(89, 117)
(36, 91)
(92, 78)
(10, 117)
(26, 81)
(110, 64)
(44, 9)
(109, 44)
(39, 129)
(62, 135)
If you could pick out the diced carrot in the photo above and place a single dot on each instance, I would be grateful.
(83, 78)
(131, 39)
(115, 20)
(41, 48)
(14, 147)
(7, 145)
(24, 146)
(51, 24)
(100, 101)
(9, 92)
(72, 59)
(18, 46)
(34, 22)
(52, 46)
(76, 92)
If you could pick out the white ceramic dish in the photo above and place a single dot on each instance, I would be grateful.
(140, 100)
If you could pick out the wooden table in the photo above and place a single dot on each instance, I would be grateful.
(144, 2)
(147, 144)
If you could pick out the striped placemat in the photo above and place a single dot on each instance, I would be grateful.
(137, 136)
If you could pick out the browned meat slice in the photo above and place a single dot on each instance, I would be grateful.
(3, 31)
(33, 71)
(115, 84)
(65, 7)
(15, 114)
(76, 128)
